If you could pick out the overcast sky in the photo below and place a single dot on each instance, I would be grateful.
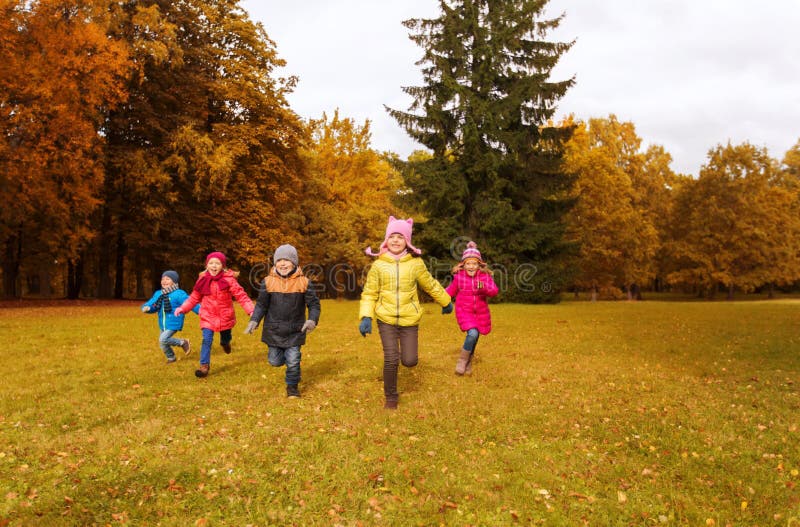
(690, 74)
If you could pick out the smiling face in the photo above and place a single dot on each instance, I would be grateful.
(214, 266)
(471, 266)
(396, 243)
(284, 267)
(166, 282)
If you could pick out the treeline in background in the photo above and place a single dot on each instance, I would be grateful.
(140, 135)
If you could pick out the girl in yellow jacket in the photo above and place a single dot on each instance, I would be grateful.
(390, 294)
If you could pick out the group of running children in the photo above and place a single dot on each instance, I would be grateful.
(290, 309)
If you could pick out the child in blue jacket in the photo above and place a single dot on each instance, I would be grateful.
(164, 302)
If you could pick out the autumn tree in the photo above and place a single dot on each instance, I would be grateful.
(206, 153)
(59, 74)
(791, 161)
(737, 224)
(495, 172)
(612, 221)
(350, 191)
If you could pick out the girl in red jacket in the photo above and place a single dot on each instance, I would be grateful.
(215, 290)
(471, 288)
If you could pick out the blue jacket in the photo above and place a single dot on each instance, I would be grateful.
(169, 320)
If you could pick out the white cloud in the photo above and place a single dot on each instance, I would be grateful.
(690, 74)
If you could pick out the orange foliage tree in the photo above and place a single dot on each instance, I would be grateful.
(59, 73)
(205, 156)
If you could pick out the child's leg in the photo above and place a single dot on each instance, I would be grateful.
(292, 356)
(276, 356)
(165, 341)
(205, 350)
(391, 359)
(409, 347)
(465, 356)
(472, 340)
(225, 338)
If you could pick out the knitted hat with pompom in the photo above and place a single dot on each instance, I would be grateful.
(471, 252)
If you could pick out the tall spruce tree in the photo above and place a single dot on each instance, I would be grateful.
(495, 174)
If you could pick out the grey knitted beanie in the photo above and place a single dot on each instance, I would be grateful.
(286, 252)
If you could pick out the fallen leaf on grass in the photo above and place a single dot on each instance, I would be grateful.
(447, 505)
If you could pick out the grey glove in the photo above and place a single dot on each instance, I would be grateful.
(309, 326)
(251, 326)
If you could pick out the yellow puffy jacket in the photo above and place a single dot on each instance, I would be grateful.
(390, 293)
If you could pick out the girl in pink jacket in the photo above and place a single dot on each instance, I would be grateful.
(215, 290)
(471, 287)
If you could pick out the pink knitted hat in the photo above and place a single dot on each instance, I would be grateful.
(218, 255)
(400, 227)
(471, 252)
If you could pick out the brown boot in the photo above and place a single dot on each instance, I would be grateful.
(461, 363)
(202, 371)
(468, 369)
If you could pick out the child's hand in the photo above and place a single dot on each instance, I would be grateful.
(251, 326)
(145, 309)
(446, 310)
(365, 326)
(177, 312)
(308, 326)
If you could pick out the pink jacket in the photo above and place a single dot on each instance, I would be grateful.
(216, 309)
(472, 307)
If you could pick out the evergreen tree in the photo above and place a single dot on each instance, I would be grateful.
(495, 174)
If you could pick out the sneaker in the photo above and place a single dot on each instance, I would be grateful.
(186, 346)
(226, 347)
(202, 371)
(292, 392)
(171, 360)
(390, 404)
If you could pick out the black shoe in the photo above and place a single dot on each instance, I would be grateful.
(292, 392)
(226, 347)
(202, 371)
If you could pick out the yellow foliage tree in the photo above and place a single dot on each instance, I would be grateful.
(350, 190)
(616, 236)
(737, 225)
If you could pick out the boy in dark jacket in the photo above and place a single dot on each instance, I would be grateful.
(282, 303)
(163, 303)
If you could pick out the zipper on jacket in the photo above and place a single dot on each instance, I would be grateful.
(397, 281)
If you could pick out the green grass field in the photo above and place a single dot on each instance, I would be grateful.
(649, 413)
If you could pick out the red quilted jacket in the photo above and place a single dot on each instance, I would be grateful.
(216, 309)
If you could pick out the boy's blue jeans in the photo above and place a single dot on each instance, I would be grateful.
(208, 338)
(166, 342)
(472, 340)
(290, 357)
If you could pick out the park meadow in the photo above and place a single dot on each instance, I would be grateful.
(581, 413)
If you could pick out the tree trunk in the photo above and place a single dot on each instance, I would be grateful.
(11, 264)
(119, 275)
(74, 278)
(47, 290)
(139, 279)
(594, 293)
(730, 292)
(104, 256)
(770, 290)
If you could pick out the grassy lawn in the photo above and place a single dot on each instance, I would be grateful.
(650, 413)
